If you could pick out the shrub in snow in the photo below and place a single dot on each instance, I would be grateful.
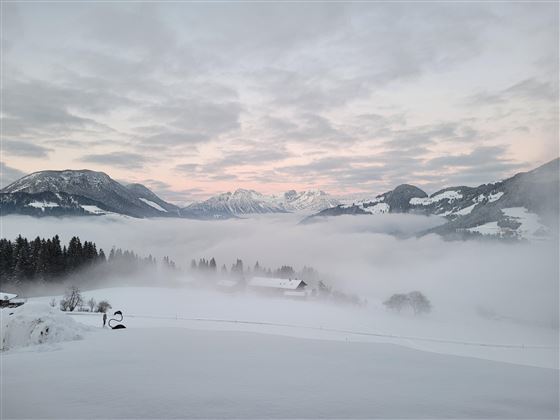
(103, 306)
(37, 323)
(413, 300)
(397, 302)
(419, 303)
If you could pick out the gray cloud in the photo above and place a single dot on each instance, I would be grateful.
(528, 89)
(220, 169)
(181, 197)
(23, 148)
(120, 159)
(36, 107)
(179, 81)
(9, 175)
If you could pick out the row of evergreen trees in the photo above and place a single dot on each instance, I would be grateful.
(240, 270)
(23, 260)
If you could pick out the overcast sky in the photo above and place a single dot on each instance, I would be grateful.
(197, 98)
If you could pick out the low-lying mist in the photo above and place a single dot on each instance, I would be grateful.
(357, 254)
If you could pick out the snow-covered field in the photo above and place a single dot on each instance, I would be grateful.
(488, 349)
(192, 353)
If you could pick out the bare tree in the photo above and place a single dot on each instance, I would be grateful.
(72, 299)
(91, 303)
(53, 302)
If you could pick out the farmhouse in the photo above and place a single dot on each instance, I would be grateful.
(292, 288)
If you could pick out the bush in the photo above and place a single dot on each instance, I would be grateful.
(103, 306)
(397, 302)
(413, 300)
(419, 303)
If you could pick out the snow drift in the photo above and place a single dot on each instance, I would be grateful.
(37, 323)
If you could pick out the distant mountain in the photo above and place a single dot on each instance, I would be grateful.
(244, 202)
(240, 202)
(308, 201)
(523, 206)
(80, 192)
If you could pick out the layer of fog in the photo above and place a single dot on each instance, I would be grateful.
(518, 282)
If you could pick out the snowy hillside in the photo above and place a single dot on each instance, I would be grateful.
(195, 355)
(68, 192)
(524, 206)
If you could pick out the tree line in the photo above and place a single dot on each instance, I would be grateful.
(46, 259)
(239, 269)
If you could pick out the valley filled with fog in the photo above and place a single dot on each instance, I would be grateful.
(493, 318)
(474, 281)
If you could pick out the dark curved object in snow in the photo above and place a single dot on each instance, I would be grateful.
(117, 326)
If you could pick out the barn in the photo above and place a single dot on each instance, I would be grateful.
(291, 288)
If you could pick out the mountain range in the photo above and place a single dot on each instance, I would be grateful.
(85, 192)
(242, 202)
(523, 206)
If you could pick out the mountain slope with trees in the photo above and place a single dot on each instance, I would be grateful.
(523, 206)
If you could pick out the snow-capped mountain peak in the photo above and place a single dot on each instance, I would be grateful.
(78, 191)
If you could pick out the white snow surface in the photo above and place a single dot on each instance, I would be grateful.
(491, 198)
(446, 195)
(94, 209)
(466, 210)
(490, 228)
(37, 323)
(495, 196)
(42, 204)
(379, 208)
(173, 361)
(530, 223)
(530, 228)
(152, 204)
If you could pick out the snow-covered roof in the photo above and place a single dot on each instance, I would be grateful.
(7, 296)
(275, 283)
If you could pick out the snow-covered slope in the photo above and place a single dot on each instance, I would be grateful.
(308, 201)
(183, 355)
(481, 210)
(68, 190)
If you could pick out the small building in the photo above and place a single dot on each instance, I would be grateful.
(7, 300)
(292, 288)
